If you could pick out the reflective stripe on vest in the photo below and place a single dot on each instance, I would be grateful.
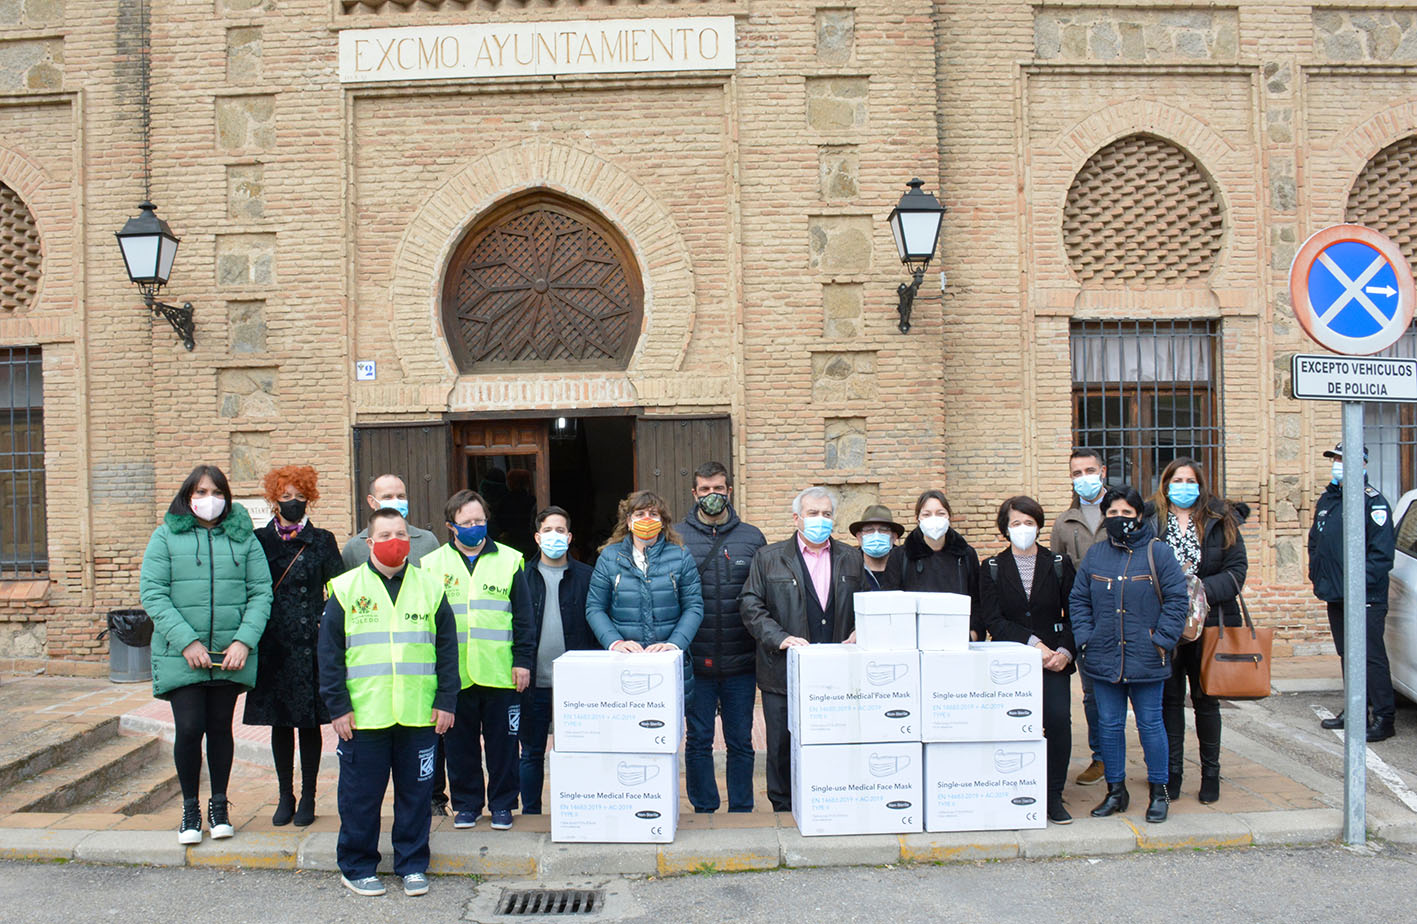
(482, 606)
(390, 653)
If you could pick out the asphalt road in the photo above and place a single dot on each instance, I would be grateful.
(1290, 885)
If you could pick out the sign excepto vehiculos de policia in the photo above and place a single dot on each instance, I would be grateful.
(536, 49)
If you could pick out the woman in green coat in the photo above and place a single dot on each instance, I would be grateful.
(207, 587)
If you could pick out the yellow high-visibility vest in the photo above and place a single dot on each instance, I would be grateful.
(482, 606)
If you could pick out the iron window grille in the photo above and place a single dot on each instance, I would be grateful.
(23, 541)
(1146, 392)
(1390, 434)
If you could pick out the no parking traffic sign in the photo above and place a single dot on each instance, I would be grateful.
(1351, 289)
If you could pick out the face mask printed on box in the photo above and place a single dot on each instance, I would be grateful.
(635, 683)
(882, 765)
(1011, 761)
(1004, 673)
(878, 675)
(635, 774)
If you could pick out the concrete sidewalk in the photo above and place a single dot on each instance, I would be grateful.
(1260, 805)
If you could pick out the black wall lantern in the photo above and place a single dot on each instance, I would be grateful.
(149, 248)
(915, 224)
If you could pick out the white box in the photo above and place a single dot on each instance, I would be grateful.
(991, 692)
(986, 786)
(885, 619)
(844, 694)
(614, 798)
(942, 621)
(856, 788)
(610, 701)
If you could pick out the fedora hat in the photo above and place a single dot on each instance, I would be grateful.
(877, 513)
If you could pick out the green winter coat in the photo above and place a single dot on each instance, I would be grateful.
(204, 585)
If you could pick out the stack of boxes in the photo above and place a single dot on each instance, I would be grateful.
(914, 727)
(618, 720)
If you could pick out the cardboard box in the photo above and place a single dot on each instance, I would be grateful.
(608, 701)
(991, 692)
(844, 694)
(856, 788)
(942, 621)
(885, 619)
(614, 798)
(986, 786)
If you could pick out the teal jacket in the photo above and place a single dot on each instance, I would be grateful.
(204, 585)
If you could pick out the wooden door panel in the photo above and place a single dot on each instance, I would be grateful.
(667, 450)
(418, 453)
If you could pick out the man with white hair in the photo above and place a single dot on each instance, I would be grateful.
(799, 592)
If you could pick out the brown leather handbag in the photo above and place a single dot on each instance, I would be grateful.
(1235, 660)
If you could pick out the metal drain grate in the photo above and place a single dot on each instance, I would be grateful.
(550, 901)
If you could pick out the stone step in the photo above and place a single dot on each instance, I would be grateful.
(81, 778)
(36, 750)
(142, 792)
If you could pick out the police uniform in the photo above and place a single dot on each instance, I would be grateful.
(388, 654)
(492, 608)
(1326, 575)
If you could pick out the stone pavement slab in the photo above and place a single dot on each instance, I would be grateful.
(39, 843)
(561, 861)
(845, 850)
(248, 851)
(1085, 837)
(150, 848)
(1297, 826)
(1185, 831)
(485, 853)
(960, 845)
(721, 850)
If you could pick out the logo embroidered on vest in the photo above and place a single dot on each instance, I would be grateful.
(449, 581)
(364, 605)
(494, 590)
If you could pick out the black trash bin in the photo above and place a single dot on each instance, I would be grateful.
(130, 653)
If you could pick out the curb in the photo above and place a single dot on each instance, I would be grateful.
(527, 855)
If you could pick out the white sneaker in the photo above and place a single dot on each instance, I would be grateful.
(190, 830)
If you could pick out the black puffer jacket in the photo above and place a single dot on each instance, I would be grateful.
(722, 646)
(954, 569)
(1222, 570)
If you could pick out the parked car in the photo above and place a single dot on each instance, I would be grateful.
(1401, 634)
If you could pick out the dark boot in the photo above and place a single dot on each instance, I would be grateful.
(285, 809)
(1116, 800)
(1173, 785)
(1160, 804)
(305, 814)
(1210, 787)
(1335, 722)
(1057, 813)
(1381, 729)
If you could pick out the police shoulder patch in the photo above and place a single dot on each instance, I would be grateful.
(1380, 516)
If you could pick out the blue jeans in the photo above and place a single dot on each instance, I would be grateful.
(1089, 711)
(1112, 727)
(536, 723)
(732, 696)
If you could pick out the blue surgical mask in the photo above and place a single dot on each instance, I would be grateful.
(876, 545)
(471, 536)
(396, 503)
(817, 529)
(1337, 472)
(1183, 493)
(554, 545)
(1088, 486)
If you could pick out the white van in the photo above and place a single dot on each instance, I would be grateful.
(1401, 634)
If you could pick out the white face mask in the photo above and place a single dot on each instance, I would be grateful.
(208, 508)
(1023, 537)
(934, 526)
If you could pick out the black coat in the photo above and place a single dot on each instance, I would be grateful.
(774, 603)
(1326, 545)
(1013, 617)
(1222, 570)
(722, 646)
(913, 565)
(571, 594)
(287, 676)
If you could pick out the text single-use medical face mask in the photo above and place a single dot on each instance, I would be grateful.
(637, 682)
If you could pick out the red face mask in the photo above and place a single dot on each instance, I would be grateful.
(391, 552)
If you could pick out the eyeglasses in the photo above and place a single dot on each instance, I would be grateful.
(873, 530)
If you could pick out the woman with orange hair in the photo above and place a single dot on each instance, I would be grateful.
(302, 558)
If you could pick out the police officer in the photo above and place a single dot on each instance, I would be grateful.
(488, 594)
(389, 676)
(1326, 574)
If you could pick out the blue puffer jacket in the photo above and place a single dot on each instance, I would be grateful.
(1125, 634)
(664, 606)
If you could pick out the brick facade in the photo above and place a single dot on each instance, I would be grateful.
(317, 220)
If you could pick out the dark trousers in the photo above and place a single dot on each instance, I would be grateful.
(1186, 671)
(486, 716)
(203, 711)
(732, 697)
(440, 775)
(1058, 727)
(535, 724)
(779, 742)
(1089, 712)
(1380, 698)
(366, 763)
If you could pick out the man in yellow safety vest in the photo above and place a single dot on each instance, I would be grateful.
(487, 590)
(389, 675)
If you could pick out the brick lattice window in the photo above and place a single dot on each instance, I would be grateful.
(20, 252)
(1141, 212)
(542, 279)
(1384, 196)
(417, 6)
